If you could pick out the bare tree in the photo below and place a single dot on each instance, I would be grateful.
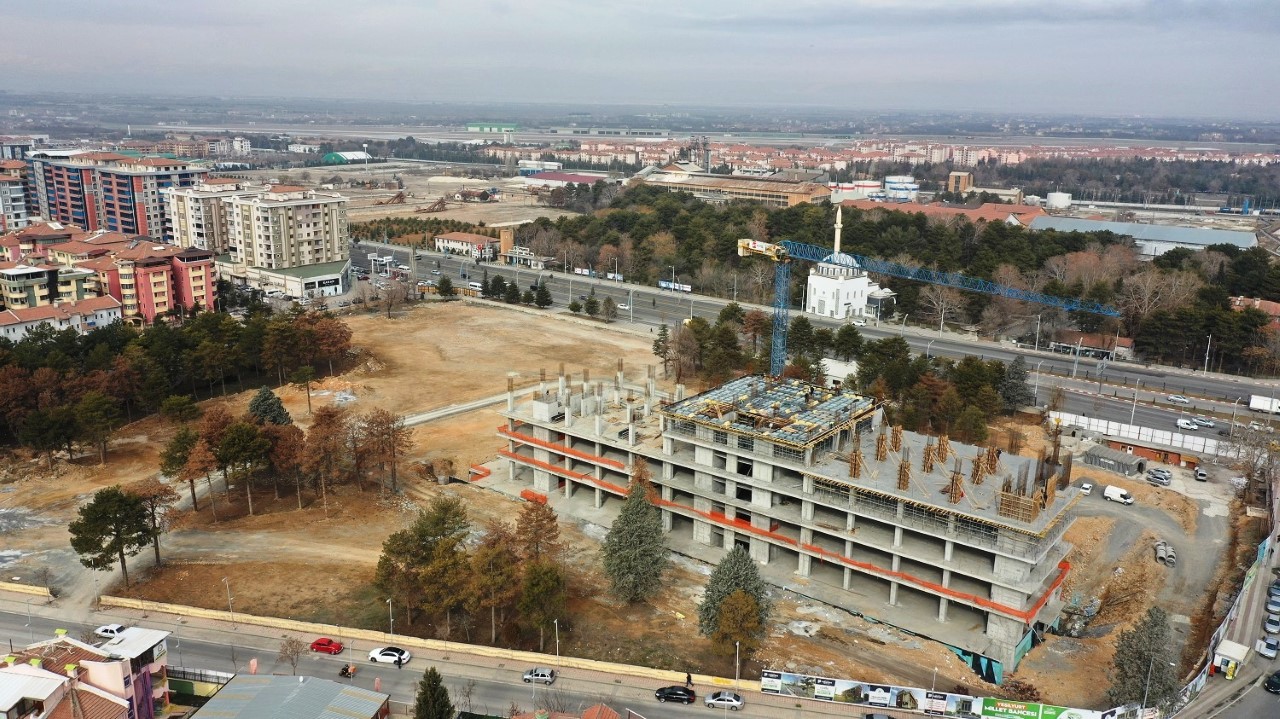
(291, 650)
(939, 302)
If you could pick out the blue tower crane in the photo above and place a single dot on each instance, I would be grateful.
(784, 252)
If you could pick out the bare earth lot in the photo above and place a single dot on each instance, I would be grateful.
(309, 565)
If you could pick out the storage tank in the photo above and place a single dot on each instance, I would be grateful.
(901, 188)
(1058, 200)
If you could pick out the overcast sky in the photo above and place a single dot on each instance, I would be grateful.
(1144, 57)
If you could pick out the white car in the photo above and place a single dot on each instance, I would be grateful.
(390, 655)
(1268, 647)
(1271, 625)
(435, 272)
(1178, 399)
(1273, 605)
(540, 675)
(721, 700)
(1086, 489)
(1187, 424)
(859, 323)
(1203, 422)
(624, 307)
(109, 631)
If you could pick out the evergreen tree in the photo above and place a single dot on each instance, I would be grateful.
(497, 287)
(528, 297)
(662, 347)
(433, 700)
(848, 342)
(592, 306)
(1014, 390)
(575, 307)
(511, 295)
(110, 528)
(445, 287)
(542, 297)
(1142, 667)
(610, 309)
(266, 408)
(635, 555)
(736, 571)
(738, 626)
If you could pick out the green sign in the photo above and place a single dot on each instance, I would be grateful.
(1006, 709)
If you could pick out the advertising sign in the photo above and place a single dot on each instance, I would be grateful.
(664, 284)
(1006, 709)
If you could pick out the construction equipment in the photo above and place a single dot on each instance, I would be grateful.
(396, 199)
(784, 252)
(439, 205)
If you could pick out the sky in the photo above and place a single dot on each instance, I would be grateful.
(1172, 58)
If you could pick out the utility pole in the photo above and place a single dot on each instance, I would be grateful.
(1207, 347)
(1076, 365)
(1037, 333)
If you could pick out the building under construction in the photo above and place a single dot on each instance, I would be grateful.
(950, 541)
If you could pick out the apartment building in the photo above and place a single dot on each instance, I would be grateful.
(198, 214)
(33, 692)
(13, 203)
(952, 542)
(35, 239)
(151, 280)
(131, 669)
(287, 226)
(107, 190)
(23, 286)
(82, 316)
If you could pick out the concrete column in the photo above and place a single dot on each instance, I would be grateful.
(599, 498)
(897, 542)
(568, 416)
(631, 434)
(702, 532)
(893, 593)
(679, 392)
(848, 577)
(850, 519)
(806, 511)
(803, 566)
(947, 548)
(562, 387)
(599, 424)
(942, 609)
(806, 535)
(806, 484)
(511, 394)
(946, 577)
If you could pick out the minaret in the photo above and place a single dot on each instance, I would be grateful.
(839, 226)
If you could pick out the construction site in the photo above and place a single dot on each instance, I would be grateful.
(957, 543)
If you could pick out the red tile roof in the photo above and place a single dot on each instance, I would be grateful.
(63, 311)
(284, 189)
(12, 165)
(89, 705)
(80, 247)
(1267, 306)
(158, 162)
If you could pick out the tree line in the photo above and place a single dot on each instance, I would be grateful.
(60, 389)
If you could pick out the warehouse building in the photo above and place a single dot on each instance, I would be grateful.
(952, 542)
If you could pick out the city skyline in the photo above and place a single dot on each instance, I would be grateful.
(1123, 57)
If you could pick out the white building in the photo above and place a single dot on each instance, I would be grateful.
(838, 288)
(286, 226)
(479, 247)
(13, 204)
(199, 214)
(241, 147)
(303, 149)
(81, 316)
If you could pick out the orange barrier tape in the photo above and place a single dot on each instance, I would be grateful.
(560, 448)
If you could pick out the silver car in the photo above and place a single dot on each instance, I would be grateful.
(1271, 625)
(540, 675)
(723, 700)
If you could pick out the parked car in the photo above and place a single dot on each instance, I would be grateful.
(540, 675)
(435, 272)
(722, 700)
(390, 655)
(357, 301)
(1159, 480)
(676, 694)
(1187, 424)
(876, 715)
(344, 303)
(858, 323)
(1272, 684)
(1271, 625)
(1203, 422)
(109, 631)
(1273, 605)
(1178, 399)
(326, 645)
(1157, 472)
(1274, 589)
(1086, 489)
(624, 308)
(1268, 647)
(1201, 475)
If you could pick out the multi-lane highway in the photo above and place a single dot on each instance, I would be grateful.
(1112, 399)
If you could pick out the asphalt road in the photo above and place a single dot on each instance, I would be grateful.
(651, 307)
(495, 689)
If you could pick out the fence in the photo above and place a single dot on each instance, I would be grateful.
(1146, 435)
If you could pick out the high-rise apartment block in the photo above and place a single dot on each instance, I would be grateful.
(106, 190)
(286, 227)
(198, 214)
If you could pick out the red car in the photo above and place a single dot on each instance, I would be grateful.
(326, 645)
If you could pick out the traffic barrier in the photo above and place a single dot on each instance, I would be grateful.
(26, 589)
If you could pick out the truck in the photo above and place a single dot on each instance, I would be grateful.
(1113, 493)
(1264, 404)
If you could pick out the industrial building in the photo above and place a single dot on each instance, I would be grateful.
(1151, 240)
(953, 542)
(719, 189)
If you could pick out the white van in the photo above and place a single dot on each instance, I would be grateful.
(475, 286)
(1116, 494)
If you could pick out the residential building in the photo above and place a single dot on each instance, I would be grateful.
(271, 697)
(107, 190)
(198, 214)
(479, 247)
(959, 182)
(560, 179)
(34, 692)
(1271, 309)
(131, 667)
(1151, 240)
(1095, 345)
(35, 239)
(956, 543)
(726, 188)
(150, 279)
(13, 203)
(16, 148)
(24, 286)
(839, 288)
(82, 316)
(287, 226)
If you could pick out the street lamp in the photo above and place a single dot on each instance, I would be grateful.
(366, 158)
(30, 629)
(1037, 333)
(1134, 410)
(934, 686)
(737, 666)
(1036, 396)
(1207, 347)
(928, 349)
(391, 620)
(673, 278)
(1231, 431)
(557, 623)
(230, 607)
(1147, 687)
(616, 276)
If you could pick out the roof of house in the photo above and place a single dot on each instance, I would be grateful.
(564, 177)
(596, 711)
(285, 189)
(468, 237)
(281, 697)
(87, 702)
(988, 212)
(1092, 340)
(1114, 455)
(1190, 236)
(26, 682)
(63, 311)
(1271, 308)
(133, 642)
(316, 270)
(12, 165)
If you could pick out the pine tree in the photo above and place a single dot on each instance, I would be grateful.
(738, 626)
(662, 347)
(635, 555)
(736, 571)
(542, 297)
(511, 295)
(445, 287)
(433, 700)
(1014, 391)
(267, 408)
(1142, 667)
(592, 306)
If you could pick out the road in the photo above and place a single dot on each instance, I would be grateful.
(650, 307)
(495, 687)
